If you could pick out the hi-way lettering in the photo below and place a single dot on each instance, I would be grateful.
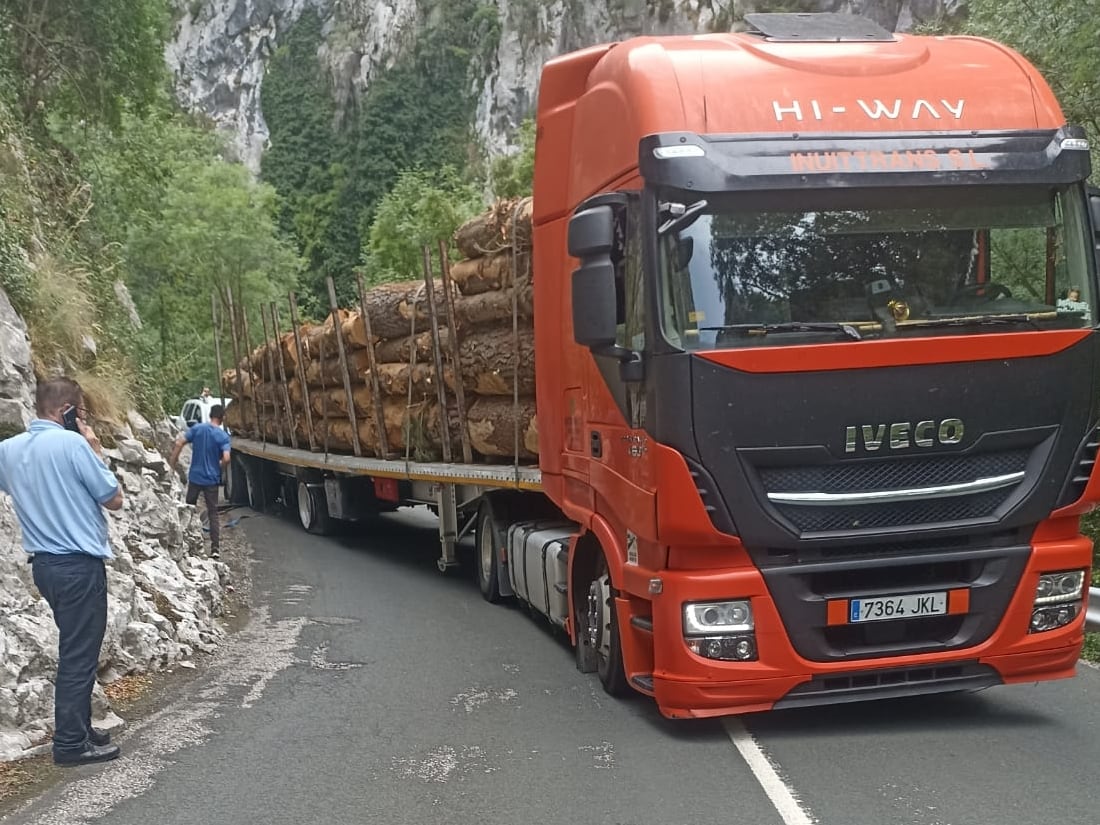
(875, 109)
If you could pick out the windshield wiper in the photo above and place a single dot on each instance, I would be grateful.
(972, 320)
(787, 326)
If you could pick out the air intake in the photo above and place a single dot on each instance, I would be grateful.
(1082, 469)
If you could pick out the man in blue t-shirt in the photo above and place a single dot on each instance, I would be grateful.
(209, 453)
(58, 483)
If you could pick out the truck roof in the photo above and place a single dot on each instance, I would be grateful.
(745, 83)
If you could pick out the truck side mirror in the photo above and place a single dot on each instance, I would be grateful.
(591, 238)
(592, 232)
(594, 304)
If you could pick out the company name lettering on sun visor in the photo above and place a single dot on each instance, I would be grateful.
(877, 160)
(875, 109)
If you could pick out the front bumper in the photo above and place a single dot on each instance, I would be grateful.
(686, 685)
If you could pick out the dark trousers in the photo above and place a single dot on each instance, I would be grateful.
(210, 496)
(75, 587)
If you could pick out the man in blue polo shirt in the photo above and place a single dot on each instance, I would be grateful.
(209, 453)
(58, 482)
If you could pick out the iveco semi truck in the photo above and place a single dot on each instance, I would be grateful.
(816, 364)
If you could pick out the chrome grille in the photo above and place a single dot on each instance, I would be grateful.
(892, 473)
(896, 514)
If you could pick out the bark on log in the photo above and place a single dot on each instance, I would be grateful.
(334, 401)
(358, 365)
(491, 423)
(420, 423)
(391, 308)
(491, 231)
(474, 276)
(488, 364)
(493, 307)
(397, 350)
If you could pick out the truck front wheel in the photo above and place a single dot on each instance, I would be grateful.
(601, 629)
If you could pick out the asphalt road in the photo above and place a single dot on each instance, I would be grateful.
(370, 689)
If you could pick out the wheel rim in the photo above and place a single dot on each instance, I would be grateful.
(230, 487)
(485, 550)
(250, 486)
(599, 617)
(305, 505)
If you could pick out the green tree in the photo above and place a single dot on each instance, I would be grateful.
(1060, 38)
(215, 232)
(514, 175)
(421, 209)
(87, 57)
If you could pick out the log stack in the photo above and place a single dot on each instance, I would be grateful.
(493, 306)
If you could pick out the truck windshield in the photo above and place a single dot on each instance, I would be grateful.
(737, 277)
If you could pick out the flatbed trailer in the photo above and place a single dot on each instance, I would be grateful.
(452, 489)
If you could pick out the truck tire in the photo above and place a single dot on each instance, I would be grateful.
(236, 482)
(602, 628)
(313, 509)
(259, 486)
(489, 541)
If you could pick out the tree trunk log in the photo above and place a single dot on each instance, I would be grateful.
(396, 351)
(494, 306)
(491, 231)
(391, 308)
(474, 276)
(488, 363)
(491, 423)
(358, 367)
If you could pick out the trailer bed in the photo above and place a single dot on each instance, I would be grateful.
(504, 476)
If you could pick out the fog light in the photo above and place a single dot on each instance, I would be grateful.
(1053, 616)
(741, 648)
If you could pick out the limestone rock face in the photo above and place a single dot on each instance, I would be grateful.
(220, 48)
(163, 596)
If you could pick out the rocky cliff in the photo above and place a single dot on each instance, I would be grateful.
(220, 48)
(164, 596)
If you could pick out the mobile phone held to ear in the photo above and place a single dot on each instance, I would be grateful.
(68, 418)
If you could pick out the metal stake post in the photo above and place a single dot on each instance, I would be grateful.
(372, 363)
(437, 356)
(291, 423)
(302, 370)
(338, 329)
(452, 339)
(271, 372)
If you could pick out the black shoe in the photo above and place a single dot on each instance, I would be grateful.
(99, 737)
(214, 554)
(91, 753)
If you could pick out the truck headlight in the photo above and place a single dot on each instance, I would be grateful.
(1058, 600)
(706, 618)
(720, 630)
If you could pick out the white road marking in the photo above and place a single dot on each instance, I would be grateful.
(790, 810)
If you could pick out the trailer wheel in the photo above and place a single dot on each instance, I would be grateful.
(602, 629)
(259, 485)
(313, 510)
(236, 482)
(488, 543)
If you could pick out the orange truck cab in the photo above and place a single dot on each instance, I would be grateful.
(817, 363)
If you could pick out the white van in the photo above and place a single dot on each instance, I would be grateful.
(197, 411)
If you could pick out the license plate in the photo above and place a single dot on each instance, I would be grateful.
(883, 608)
